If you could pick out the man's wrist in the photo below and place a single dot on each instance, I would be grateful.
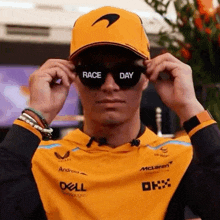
(47, 116)
(189, 111)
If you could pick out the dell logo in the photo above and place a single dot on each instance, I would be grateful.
(72, 186)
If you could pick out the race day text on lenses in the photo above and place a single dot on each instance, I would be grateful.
(94, 76)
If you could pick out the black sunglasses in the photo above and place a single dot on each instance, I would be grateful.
(94, 75)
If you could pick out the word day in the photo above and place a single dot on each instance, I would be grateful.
(126, 75)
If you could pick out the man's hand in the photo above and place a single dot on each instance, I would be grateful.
(46, 94)
(176, 89)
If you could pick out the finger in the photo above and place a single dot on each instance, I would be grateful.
(65, 65)
(64, 62)
(54, 74)
(68, 64)
(55, 62)
(165, 66)
(70, 72)
(164, 57)
(167, 57)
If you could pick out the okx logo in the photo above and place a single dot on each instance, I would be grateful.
(155, 185)
(72, 186)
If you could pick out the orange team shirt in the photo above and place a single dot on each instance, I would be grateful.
(127, 182)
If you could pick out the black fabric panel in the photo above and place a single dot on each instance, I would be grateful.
(19, 197)
(191, 123)
(202, 179)
(22, 202)
(206, 143)
(177, 204)
(20, 142)
(202, 191)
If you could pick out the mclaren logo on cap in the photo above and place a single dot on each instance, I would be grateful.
(112, 18)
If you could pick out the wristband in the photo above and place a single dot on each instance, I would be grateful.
(30, 118)
(197, 120)
(39, 115)
(46, 133)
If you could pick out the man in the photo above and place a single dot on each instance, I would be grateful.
(114, 167)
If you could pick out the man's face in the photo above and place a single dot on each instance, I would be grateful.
(109, 104)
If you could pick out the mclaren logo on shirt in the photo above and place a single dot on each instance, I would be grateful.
(156, 185)
(157, 167)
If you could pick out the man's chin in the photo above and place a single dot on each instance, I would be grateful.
(111, 120)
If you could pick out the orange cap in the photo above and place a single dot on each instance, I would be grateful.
(110, 26)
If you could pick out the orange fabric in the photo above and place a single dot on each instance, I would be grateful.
(203, 116)
(127, 31)
(29, 127)
(200, 126)
(127, 182)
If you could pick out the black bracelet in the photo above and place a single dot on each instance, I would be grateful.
(40, 116)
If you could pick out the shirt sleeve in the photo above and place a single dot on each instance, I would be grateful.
(18, 191)
(201, 182)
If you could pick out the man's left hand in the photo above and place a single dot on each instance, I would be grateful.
(174, 85)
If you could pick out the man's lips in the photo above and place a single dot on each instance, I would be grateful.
(110, 101)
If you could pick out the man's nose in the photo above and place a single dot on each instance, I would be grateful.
(109, 84)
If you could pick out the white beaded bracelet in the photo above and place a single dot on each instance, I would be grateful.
(29, 117)
(35, 125)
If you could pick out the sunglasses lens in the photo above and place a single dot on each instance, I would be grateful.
(90, 77)
(129, 76)
(127, 79)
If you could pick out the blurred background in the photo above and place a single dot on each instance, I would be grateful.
(32, 31)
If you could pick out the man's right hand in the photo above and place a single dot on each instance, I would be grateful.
(46, 94)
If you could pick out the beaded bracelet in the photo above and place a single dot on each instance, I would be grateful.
(45, 132)
(29, 117)
(40, 116)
